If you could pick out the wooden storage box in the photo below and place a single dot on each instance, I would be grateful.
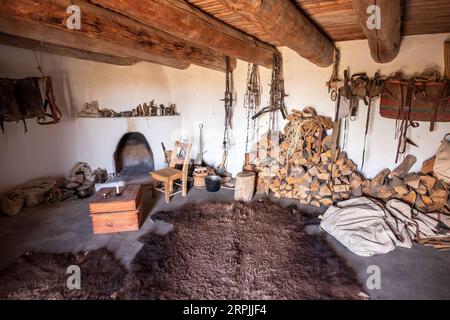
(117, 213)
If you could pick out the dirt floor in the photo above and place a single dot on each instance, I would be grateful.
(417, 273)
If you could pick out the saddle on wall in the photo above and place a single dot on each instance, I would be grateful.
(21, 99)
(430, 100)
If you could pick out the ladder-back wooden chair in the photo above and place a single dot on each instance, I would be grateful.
(169, 176)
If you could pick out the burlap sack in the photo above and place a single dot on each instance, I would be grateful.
(442, 163)
(12, 203)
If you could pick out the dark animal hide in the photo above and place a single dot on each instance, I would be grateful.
(238, 251)
(215, 251)
(44, 276)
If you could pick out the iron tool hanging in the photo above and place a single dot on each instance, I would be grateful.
(277, 93)
(228, 100)
(252, 101)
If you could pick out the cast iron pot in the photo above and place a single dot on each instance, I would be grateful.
(85, 191)
(213, 183)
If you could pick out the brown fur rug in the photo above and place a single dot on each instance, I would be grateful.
(215, 251)
(43, 276)
(238, 251)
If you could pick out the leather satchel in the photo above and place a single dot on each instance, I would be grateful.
(430, 100)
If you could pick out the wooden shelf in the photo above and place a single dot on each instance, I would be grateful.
(138, 117)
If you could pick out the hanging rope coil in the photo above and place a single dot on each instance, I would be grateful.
(303, 128)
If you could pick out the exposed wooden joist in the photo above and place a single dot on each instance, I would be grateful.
(102, 31)
(384, 43)
(287, 25)
(30, 44)
(181, 19)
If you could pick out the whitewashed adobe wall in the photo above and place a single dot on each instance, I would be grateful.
(53, 150)
(198, 92)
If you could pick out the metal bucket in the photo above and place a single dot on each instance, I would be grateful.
(213, 183)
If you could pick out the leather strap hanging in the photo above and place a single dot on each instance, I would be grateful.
(50, 102)
(406, 123)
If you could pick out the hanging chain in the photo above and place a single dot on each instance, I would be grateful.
(228, 100)
(277, 93)
(252, 100)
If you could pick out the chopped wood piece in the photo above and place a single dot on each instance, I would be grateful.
(341, 188)
(427, 200)
(326, 202)
(428, 181)
(386, 192)
(326, 157)
(313, 171)
(428, 165)
(439, 193)
(351, 165)
(323, 176)
(421, 189)
(410, 198)
(325, 191)
(404, 167)
(346, 170)
(379, 178)
(315, 203)
(399, 186)
(412, 180)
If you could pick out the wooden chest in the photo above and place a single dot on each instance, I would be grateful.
(117, 213)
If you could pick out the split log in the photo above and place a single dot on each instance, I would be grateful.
(412, 180)
(404, 167)
(185, 21)
(65, 51)
(428, 182)
(283, 22)
(384, 43)
(399, 187)
(378, 181)
(428, 166)
(103, 32)
(410, 198)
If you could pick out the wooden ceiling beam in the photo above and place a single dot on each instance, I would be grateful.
(283, 22)
(102, 31)
(183, 20)
(30, 44)
(384, 43)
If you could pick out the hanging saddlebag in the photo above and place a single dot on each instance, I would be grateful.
(430, 100)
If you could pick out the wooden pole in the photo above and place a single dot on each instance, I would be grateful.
(183, 20)
(65, 51)
(283, 22)
(102, 31)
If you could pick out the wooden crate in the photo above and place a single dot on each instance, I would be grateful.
(127, 201)
(117, 214)
(119, 221)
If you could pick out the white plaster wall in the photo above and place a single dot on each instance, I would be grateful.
(53, 150)
(199, 90)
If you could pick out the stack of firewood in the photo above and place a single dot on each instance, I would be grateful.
(297, 163)
(421, 191)
(300, 167)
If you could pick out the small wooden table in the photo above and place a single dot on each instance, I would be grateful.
(117, 213)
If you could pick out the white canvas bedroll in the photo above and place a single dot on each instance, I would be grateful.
(367, 226)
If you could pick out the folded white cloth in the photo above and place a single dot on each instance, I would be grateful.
(367, 226)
